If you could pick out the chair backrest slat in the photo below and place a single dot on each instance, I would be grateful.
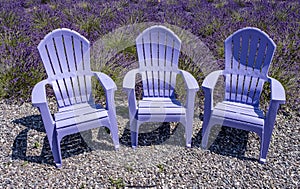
(162, 62)
(80, 67)
(154, 38)
(248, 54)
(65, 83)
(69, 46)
(142, 64)
(65, 54)
(148, 63)
(53, 53)
(158, 51)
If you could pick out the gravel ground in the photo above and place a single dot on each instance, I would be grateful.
(161, 161)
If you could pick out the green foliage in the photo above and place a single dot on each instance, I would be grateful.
(24, 24)
(37, 145)
(22, 84)
(89, 24)
(130, 50)
(85, 5)
(161, 167)
(107, 130)
(220, 49)
(241, 3)
(11, 40)
(97, 89)
(81, 186)
(281, 15)
(210, 28)
(45, 1)
(118, 183)
(236, 16)
(9, 18)
(25, 163)
(220, 5)
(187, 64)
(129, 168)
(42, 20)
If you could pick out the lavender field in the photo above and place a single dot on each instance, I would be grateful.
(23, 24)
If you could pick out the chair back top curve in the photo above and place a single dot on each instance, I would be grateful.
(248, 55)
(66, 58)
(158, 50)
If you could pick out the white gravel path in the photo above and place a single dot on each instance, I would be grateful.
(161, 161)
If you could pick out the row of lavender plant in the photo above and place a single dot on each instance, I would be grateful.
(23, 24)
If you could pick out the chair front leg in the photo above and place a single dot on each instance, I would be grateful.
(132, 108)
(190, 106)
(134, 132)
(111, 109)
(208, 102)
(267, 130)
(56, 150)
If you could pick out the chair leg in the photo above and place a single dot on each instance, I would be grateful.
(264, 145)
(205, 133)
(204, 125)
(267, 131)
(114, 132)
(134, 128)
(56, 151)
(115, 138)
(205, 136)
(206, 140)
(189, 133)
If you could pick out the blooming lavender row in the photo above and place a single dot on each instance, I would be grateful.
(24, 24)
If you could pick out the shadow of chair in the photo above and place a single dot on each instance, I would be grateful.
(72, 145)
(227, 142)
(158, 134)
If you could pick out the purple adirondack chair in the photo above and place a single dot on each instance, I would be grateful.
(158, 51)
(66, 57)
(248, 54)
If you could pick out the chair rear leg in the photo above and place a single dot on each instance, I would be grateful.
(134, 128)
(264, 145)
(188, 133)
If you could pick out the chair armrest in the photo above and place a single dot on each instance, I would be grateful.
(208, 86)
(110, 88)
(106, 81)
(277, 91)
(38, 95)
(211, 79)
(191, 82)
(277, 98)
(39, 100)
(129, 79)
(129, 86)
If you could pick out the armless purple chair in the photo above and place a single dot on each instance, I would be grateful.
(248, 54)
(158, 51)
(66, 57)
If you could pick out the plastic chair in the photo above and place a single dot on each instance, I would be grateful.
(248, 54)
(66, 57)
(158, 51)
